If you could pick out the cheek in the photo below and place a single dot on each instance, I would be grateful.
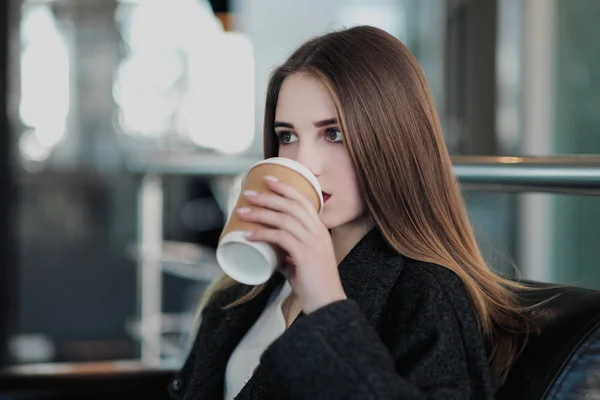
(345, 180)
(355, 200)
(286, 152)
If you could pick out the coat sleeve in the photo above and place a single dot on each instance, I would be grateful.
(335, 353)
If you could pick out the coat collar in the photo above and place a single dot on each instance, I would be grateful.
(368, 274)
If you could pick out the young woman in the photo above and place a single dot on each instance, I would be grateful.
(384, 294)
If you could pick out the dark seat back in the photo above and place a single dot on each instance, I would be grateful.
(562, 361)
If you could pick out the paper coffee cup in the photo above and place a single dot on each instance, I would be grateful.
(253, 263)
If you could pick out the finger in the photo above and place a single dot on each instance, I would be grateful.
(292, 193)
(283, 205)
(277, 220)
(283, 239)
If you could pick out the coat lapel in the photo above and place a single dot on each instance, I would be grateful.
(224, 329)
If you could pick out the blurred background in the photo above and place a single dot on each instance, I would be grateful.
(128, 123)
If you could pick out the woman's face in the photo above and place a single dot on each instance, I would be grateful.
(308, 132)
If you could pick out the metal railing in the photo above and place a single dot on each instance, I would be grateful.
(572, 175)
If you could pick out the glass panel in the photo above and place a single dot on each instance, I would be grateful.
(548, 77)
(577, 58)
(547, 237)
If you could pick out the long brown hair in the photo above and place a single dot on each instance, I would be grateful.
(394, 138)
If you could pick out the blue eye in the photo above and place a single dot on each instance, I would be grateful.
(287, 137)
(334, 135)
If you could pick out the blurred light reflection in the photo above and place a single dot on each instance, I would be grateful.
(45, 100)
(184, 78)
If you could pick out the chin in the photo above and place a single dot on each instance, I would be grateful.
(333, 220)
(330, 221)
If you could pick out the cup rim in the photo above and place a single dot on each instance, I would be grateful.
(296, 166)
(240, 275)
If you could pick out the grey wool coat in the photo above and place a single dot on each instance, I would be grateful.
(407, 331)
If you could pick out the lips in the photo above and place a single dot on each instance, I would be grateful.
(326, 196)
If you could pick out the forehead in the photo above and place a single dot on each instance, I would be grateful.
(302, 97)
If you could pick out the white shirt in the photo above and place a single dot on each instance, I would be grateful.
(246, 356)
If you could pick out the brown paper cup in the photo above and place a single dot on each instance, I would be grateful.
(253, 263)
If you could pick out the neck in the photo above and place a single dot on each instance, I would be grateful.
(345, 237)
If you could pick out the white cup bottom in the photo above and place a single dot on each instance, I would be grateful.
(250, 263)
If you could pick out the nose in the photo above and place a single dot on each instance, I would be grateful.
(309, 157)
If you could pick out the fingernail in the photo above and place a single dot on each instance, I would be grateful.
(248, 233)
(243, 210)
(271, 178)
(250, 193)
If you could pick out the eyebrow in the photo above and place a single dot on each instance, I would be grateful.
(318, 124)
(326, 122)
